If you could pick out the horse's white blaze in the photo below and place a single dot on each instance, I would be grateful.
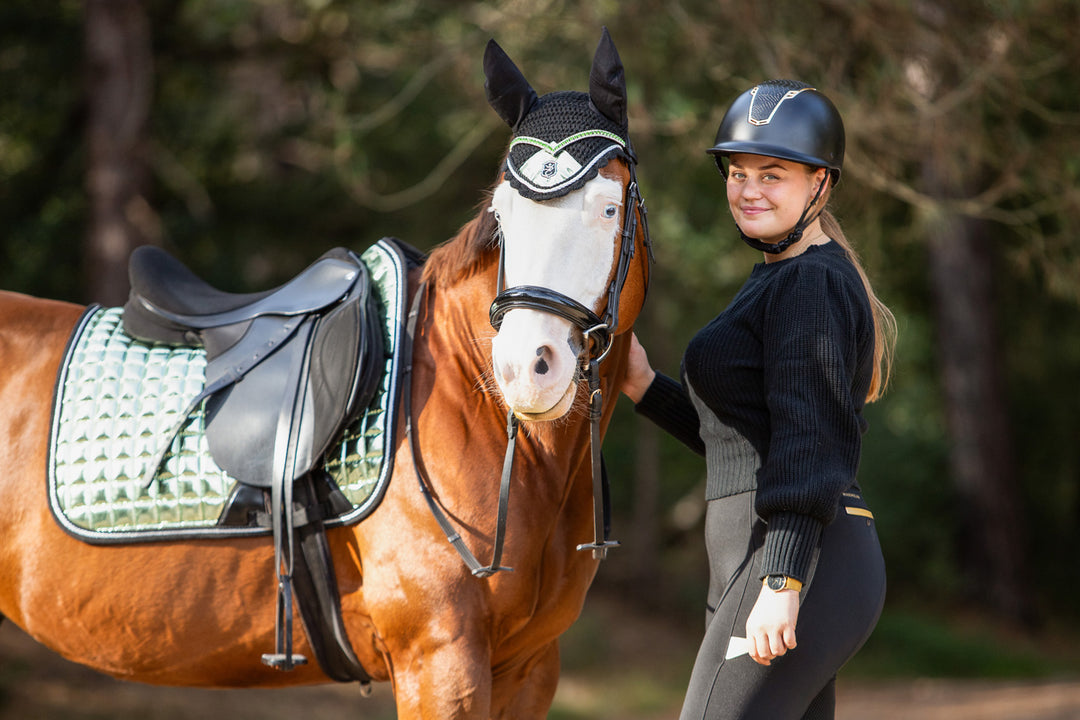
(567, 245)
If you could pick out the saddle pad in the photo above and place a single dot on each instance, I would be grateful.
(116, 398)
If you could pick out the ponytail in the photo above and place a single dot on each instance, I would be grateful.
(884, 321)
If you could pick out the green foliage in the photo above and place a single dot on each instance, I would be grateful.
(41, 207)
(916, 644)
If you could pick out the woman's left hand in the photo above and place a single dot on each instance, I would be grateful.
(770, 629)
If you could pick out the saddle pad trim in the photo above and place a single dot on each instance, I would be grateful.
(392, 270)
(388, 267)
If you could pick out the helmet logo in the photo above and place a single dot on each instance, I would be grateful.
(763, 108)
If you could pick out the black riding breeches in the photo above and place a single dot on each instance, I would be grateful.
(840, 605)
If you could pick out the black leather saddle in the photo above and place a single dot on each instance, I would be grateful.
(287, 368)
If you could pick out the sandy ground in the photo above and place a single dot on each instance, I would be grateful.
(36, 684)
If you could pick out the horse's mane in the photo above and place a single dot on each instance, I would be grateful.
(462, 255)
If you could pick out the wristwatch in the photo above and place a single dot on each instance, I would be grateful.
(777, 583)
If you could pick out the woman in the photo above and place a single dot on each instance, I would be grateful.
(772, 395)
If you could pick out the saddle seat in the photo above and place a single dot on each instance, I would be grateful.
(171, 304)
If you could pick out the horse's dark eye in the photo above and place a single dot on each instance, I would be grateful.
(611, 211)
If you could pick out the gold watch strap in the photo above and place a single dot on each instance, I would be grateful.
(790, 583)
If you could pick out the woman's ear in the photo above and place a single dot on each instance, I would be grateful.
(820, 175)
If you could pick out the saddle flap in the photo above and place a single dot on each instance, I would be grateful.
(246, 420)
(280, 413)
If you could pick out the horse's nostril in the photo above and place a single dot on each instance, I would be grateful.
(541, 366)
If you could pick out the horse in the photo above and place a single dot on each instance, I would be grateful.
(557, 259)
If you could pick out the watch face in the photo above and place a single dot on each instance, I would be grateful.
(776, 582)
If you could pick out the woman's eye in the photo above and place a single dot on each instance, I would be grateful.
(611, 211)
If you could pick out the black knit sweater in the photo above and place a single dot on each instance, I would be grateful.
(773, 397)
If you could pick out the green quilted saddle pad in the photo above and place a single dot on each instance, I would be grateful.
(117, 398)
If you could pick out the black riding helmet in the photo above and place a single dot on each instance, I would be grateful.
(786, 119)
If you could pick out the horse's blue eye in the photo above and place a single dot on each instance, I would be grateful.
(611, 211)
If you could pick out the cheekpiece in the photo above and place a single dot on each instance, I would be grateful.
(560, 145)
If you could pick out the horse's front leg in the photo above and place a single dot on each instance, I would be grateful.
(525, 690)
(444, 676)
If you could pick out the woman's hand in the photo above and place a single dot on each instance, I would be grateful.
(770, 629)
(639, 373)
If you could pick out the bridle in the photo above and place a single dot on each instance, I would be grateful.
(599, 335)
(601, 330)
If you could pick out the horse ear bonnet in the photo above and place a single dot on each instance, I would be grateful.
(561, 140)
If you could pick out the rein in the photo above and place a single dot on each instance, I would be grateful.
(474, 565)
(599, 337)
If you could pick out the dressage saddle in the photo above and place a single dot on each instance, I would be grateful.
(287, 370)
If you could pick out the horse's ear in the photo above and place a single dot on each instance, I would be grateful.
(508, 92)
(607, 83)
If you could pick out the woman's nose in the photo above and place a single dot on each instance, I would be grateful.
(751, 188)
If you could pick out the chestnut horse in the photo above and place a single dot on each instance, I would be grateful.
(454, 644)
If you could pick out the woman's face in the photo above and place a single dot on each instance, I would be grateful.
(767, 195)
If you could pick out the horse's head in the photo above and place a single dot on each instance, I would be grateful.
(574, 255)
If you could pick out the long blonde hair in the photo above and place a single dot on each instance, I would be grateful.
(884, 321)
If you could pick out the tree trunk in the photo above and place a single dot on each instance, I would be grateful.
(118, 83)
(993, 535)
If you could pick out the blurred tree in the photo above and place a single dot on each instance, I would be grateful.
(119, 83)
(42, 117)
(943, 116)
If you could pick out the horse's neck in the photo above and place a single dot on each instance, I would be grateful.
(457, 330)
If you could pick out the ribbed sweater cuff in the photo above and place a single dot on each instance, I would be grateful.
(790, 544)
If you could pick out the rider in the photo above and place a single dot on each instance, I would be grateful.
(772, 395)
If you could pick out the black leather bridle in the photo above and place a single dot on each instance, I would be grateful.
(599, 334)
(602, 330)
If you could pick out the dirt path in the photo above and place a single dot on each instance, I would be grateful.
(960, 700)
(36, 684)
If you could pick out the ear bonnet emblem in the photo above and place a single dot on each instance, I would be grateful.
(561, 140)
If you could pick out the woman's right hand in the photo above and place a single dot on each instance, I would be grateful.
(639, 373)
